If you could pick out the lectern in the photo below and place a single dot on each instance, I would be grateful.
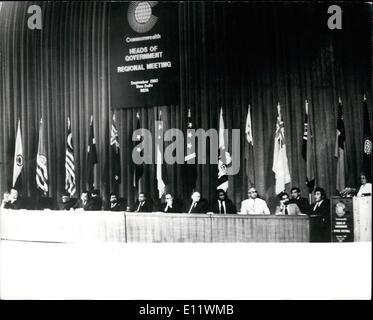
(362, 207)
(351, 219)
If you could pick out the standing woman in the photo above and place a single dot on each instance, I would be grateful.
(366, 187)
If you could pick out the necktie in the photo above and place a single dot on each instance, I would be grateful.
(138, 208)
(192, 207)
(286, 210)
(222, 210)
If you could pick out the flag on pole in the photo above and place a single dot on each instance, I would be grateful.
(18, 156)
(339, 152)
(367, 142)
(249, 150)
(41, 161)
(92, 156)
(115, 154)
(70, 184)
(190, 164)
(138, 168)
(224, 158)
(160, 169)
(280, 160)
(308, 153)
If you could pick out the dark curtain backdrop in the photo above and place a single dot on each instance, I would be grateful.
(232, 54)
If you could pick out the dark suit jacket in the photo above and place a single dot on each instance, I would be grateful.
(176, 207)
(323, 210)
(146, 207)
(67, 205)
(303, 205)
(94, 204)
(229, 206)
(201, 207)
(79, 205)
(119, 206)
(15, 205)
(320, 222)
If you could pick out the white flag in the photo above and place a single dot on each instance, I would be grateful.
(18, 155)
(280, 160)
(159, 169)
(224, 159)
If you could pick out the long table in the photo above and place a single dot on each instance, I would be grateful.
(74, 226)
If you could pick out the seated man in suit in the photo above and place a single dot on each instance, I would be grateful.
(83, 201)
(222, 204)
(302, 203)
(95, 202)
(12, 201)
(197, 205)
(254, 205)
(171, 205)
(66, 203)
(285, 207)
(115, 203)
(143, 204)
(321, 217)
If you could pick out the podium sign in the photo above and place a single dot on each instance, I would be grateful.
(342, 220)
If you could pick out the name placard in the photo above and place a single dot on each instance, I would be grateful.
(144, 54)
(342, 220)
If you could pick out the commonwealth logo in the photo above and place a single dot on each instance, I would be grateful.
(140, 16)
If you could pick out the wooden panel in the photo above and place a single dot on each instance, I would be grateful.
(362, 207)
(237, 228)
(100, 226)
(62, 226)
(68, 226)
(160, 227)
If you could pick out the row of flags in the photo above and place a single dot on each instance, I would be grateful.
(280, 165)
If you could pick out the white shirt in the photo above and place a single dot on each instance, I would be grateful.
(254, 206)
(193, 205)
(220, 208)
(318, 204)
(365, 188)
(140, 206)
(168, 205)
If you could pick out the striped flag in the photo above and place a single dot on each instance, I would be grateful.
(115, 154)
(339, 152)
(92, 156)
(190, 164)
(18, 156)
(367, 142)
(41, 161)
(70, 184)
(249, 149)
(224, 158)
(308, 153)
(280, 160)
(138, 168)
(160, 169)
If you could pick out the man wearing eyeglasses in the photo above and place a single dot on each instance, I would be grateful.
(254, 205)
